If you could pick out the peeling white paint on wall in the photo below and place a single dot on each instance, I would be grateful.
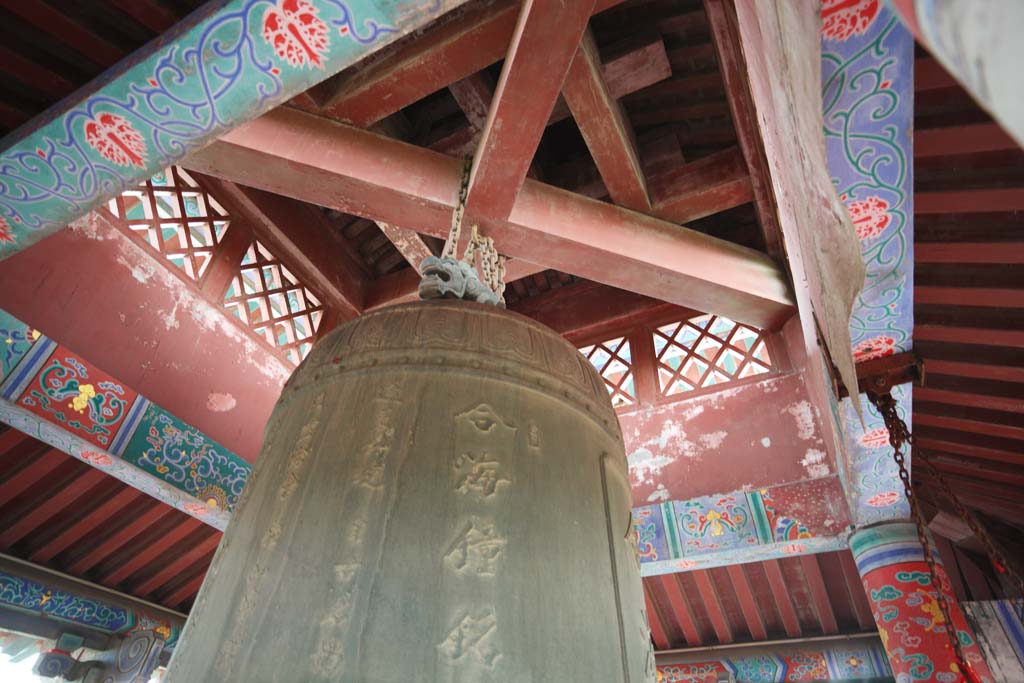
(803, 414)
(659, 494)
(644, 466)
(766, 442)
(713, 440)
(814, 463)
(220, 403)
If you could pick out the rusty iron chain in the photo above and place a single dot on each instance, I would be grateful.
(492, 264)
(899, 435)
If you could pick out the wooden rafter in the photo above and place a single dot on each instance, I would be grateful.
(329, 164)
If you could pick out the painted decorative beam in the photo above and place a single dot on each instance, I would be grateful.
(244, 57)
(605, 128)
(329, 164)
(545, 39)
(844, 658)
(29, 589)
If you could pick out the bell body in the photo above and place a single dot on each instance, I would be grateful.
(441, 496)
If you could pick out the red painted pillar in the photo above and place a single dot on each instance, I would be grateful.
(903, 601)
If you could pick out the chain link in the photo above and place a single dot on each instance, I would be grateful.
(899, 435)
(492, 264)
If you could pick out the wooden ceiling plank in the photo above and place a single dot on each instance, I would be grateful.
(32, 474)
(700, 188)
(178, 565)
(1003, 373)
(819, 594)
(67, 496)
(150, 13)
(186, 591)
(119, 538)
(66, 30)
(977, 469)
(545, 40)
(969, 252)
(855, 587)
(654, 620)
(972, 426)
(473, 95)
(751, 613)
(961, 398)
(34, 74)
(713, 605)
(95, 518)
(969, 335)
(969, 201)
(329, 164)
(966, 139)
(969, 296)
(151, 552)
(10, 439)
(299, 234)
(929, 75)
(783, 601)
(970, 450)
(681, 610)
(605, 128)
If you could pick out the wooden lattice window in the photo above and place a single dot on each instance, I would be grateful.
(705, 351)
(614, 361)
(176, 217)
(268, 298)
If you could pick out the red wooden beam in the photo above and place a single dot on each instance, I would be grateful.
(751, 613)
(31, 474)
(301, 235)
(225, 260)
(969, 201)
(303, 156)
(969, 296)
(783, 601)
(151, 552)
(721, 17)
(654, 620)
(961, 398)
(681, 610)
(84, 526)
(605, 128)
(968, 139)
(119, 538)
(65, 497)
(473, 95)
(408, 243)
(545, 40)
(969, 252)
(177, 565)
(700, 188)
(819, 594)
(855, 587)
(713, 605)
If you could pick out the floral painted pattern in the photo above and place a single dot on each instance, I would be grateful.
(876, 347)
(870, 217)
(296, 32)
(6, 234)
(116, 140)
(842, 19)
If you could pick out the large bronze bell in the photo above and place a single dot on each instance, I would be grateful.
(441, 496)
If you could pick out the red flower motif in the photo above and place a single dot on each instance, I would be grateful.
(6, 234)
(97, 459)
(116, 140)
(794, 549)
(870, 216)
(876, 438)
(296, 33)
(686, 564)
(883, 500)
(195, 509)
(841, 19)
(876, 347)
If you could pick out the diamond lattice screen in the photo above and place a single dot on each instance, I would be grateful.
(269, 299)
(705, 351)
(176, 217)
(613, 360)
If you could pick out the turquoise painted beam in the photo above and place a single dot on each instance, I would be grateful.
(225, 64)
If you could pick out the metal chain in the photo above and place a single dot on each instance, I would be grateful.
(899, 434)
(492, 264)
